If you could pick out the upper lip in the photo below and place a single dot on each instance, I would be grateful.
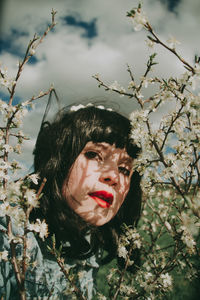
(104, 195)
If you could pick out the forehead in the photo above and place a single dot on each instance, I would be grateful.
(109, 149)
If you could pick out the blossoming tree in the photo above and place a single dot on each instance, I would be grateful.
(16, 198)
(168, 234)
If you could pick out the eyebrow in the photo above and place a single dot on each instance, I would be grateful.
(98, 145)
(101, 145)
(126, 159)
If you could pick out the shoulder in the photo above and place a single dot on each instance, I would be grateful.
(43, 273)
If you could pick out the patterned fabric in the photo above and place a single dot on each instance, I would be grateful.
(44, 276)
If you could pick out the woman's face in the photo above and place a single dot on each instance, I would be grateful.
(98, 182)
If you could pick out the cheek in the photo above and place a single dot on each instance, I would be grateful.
(82, 177)
(76, 175)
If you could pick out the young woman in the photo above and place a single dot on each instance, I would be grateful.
(86, 157)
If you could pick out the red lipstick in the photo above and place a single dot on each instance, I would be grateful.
(102, 198)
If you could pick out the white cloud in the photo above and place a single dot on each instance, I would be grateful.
(68, 60)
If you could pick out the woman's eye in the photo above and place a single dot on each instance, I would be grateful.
(124, 171)
(91, 154)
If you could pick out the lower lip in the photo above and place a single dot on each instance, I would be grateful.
(101, 202)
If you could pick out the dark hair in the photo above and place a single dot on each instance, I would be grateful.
(57, 147)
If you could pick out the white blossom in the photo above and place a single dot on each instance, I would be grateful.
(184, 78)
(15, 239)
(7, 82)
(17, 149)
(166, 194)
(3, 106)
(18, 117)
(195, 81)
(3, 194)
(172, 41)
(31, 198)
(154, 226)
(4, 165)
(150, 44)
(14, 190)
(190, 223)
(34, 178)
(32, 51)
(15, 165)
(168, 226)
(166, 280)
(188, 240)
(40, 227)
(197, 69)
(8, 148)
(131, 85)
(122, 252)
(101, 297)
(18, 215)
(127, 290)
(116, 86)
(196, 204)
(4, 255)
(148, 275)
(138, 116)
(146, 81)
(139, 20)
(5, 209)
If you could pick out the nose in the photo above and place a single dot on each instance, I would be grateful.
(110, 177)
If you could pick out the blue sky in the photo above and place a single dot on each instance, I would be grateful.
(91, 37)
(90, 28)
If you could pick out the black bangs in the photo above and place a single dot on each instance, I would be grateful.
(101, 125)
(59, 143)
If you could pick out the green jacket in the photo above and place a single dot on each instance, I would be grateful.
(43, 275)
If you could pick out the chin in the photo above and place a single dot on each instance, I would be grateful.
(99, 222)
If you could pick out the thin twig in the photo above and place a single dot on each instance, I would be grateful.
(158, 41)
(41, 187)
(28, 56)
